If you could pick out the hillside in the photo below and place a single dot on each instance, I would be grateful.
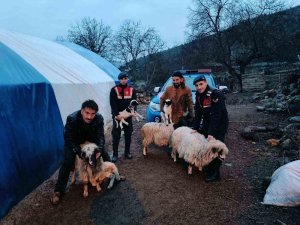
(199, 53)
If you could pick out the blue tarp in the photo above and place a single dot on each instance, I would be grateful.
(31, 129)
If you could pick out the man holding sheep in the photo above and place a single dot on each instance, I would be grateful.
(181, 97)
(211, 120)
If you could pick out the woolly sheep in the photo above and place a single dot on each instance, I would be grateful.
(157, 133)
(195, 149)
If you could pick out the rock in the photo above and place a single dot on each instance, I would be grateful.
(291, 127)
(294, 119)
(273, 142)
(248, 134)
(294, 108)
(286, 144)
(260, 108)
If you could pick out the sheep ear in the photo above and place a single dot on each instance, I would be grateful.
(215, 150)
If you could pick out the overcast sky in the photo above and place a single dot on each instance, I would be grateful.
(51, 18)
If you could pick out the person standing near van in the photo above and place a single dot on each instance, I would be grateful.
(182, 103)
(211, 120)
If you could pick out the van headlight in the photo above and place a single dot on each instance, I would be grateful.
(154, 106)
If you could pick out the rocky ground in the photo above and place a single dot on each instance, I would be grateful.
(159, 191)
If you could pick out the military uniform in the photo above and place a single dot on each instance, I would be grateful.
(120, 97)
(211, 118)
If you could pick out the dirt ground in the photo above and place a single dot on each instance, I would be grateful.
(159, 191)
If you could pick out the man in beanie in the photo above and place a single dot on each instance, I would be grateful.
(211, 120)
(182, 103)
(120, 97)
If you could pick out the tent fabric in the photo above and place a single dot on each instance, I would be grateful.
(69, 73)
(103, 64)
(41, 82)
(284, 189)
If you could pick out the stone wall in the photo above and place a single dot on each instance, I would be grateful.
(260, 79)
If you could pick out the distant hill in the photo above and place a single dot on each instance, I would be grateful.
(196, 54)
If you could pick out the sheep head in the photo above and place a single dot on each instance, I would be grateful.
(218, 148)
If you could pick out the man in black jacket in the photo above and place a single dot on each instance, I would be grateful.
(211, 120)
(81, 126)
(120, 98)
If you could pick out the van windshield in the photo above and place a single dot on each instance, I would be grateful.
(189, 79)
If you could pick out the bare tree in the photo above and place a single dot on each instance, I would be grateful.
(132, 41)
(238, 29)
(92, 35)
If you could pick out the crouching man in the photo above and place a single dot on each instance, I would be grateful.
(211, 120)
(81, 126)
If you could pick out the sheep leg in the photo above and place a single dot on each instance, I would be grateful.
(145, 151)
(162, 115)
(123, 121)
(117, 175)
(117, 123)
(111, 182)
(74, 177)
(85, 188)
(190, 169)
(173, 155)
(98, 187)
(169, 119)
(171, 122)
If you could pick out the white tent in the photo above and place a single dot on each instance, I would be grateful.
(41, 82)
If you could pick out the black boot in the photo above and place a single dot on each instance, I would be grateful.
(115, 155)
(127, 152)
(127, 148)
(128, 155)
(212, 171)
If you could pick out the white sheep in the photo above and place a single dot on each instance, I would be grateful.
(157, 133)
(195, 149)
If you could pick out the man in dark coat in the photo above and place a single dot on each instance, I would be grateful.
(211, 120)
(85, 125)
(120, 98)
